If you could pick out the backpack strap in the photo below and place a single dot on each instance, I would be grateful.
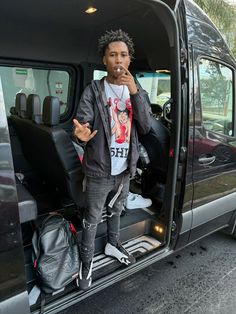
(50, 216)
(42, 303)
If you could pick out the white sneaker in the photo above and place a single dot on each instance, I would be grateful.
(84, 279)
(137, 201)
(120, 253)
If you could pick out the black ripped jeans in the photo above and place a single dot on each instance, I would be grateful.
(101, 192)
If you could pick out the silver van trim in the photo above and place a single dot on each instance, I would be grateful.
(214, 209)
(207, 212)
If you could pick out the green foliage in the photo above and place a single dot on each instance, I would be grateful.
(224, 17)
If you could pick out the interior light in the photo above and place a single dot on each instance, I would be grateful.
(159, 229)
(91, 10)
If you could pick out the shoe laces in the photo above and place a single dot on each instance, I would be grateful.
(85, 269)
(121, 248)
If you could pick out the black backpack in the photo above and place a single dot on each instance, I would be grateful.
(55, 253)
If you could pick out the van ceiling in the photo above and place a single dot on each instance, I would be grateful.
(61, 31)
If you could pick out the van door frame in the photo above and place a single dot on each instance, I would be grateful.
(172, 30)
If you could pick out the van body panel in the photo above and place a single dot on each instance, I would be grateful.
(187, 222)
(209, 180)
(213, 210)
(202, 33)
(219, 223)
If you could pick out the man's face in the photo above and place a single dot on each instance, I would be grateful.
(116, 54)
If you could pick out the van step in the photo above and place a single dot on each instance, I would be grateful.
(135, 227)
(103, 265)
(139, 246)
(134, 224)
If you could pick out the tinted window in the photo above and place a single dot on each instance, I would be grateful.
(216, 93)
(156, 84)
(99, 74)
(43, 82)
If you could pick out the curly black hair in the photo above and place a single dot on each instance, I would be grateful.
(111, 36)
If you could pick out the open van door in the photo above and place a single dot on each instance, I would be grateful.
(212, 134)
(60, 57)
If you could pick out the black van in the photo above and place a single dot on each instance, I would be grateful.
(49, 48)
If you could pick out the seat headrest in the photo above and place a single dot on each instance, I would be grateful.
(33, 106)
(20, 104)
(51, 111)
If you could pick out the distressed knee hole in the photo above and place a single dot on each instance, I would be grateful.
(89, 226)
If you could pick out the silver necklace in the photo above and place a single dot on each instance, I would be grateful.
(121, 106)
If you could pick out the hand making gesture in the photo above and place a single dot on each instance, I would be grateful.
(82, 131)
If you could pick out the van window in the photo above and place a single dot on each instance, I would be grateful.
(43, 82)
(157, 85)
(99, 74)
(216, 94)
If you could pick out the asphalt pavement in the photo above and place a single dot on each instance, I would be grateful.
(200, 279)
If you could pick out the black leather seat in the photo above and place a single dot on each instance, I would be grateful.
(16, 124)
(53, 154)
(26, 203)
(19, 122)
(49, 150)
(157, 143)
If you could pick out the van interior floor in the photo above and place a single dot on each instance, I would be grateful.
(138, 236)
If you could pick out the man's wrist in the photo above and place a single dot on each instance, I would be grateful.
(79, 142)
(133, 92)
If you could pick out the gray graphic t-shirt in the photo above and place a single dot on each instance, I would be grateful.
(118, 99)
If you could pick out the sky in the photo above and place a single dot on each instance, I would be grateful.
(231, 1)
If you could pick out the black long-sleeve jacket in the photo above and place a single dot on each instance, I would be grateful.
(93, 108)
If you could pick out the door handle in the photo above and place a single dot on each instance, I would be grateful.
(206, 160)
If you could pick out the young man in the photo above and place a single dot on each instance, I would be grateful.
(110, 113)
